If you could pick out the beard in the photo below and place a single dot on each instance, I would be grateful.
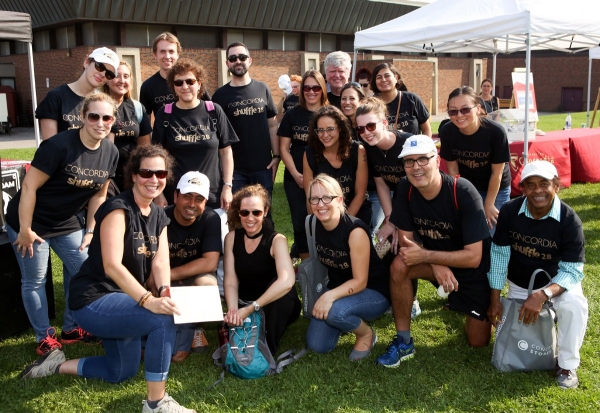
(239, 70)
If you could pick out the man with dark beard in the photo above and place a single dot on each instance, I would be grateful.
(251, 111)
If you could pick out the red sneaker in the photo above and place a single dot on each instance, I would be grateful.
(77, 335)
(48, 343)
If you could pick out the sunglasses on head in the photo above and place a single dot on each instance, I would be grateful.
(257, 213)
(234, 57)
(179, 82)
(355, 84)
(107, 73)
(94, 117)
(147, 173)
(464, 111)
(369, 126)
(315, 88)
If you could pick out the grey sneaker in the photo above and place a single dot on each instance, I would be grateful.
(45, 365)
(567, 379)
(416, 310)
(166, 405)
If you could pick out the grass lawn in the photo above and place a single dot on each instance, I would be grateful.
(446, 375)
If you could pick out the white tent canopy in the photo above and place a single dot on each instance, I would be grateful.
(498, 26)
(594, 54)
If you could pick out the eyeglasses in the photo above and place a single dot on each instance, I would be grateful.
(364, 84)
(190, 82)
(422, 161)
(464, 111)
(326, 199)
(315, 88)
(257, 213)
(234, 57)
(107, 73)
(94, 117)
(147, 173)
(321, 131)
(369, 126)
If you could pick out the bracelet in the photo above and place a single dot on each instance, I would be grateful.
(277, 156)
(144, 298)
(89, 231)
(162, 287)
(229, 184)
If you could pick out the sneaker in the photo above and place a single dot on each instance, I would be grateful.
(45, 365)
(166, 405)
(396, 352)
(199, 343)
(48, 343)
(567, 379)
(77, 335)
(416, 310)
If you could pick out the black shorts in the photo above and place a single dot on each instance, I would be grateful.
(472, 297)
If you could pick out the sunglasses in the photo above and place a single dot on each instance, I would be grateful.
(234, 57)
(94, 117)
(107, 73)
(179, 82)
(315, 88)
(369, 126)
(257, 213)
(147, 173)
(464, 111)
(364, 84)
(326, 199)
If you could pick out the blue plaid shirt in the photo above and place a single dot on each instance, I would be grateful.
(569, 273)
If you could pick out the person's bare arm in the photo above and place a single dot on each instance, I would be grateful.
(48, 128)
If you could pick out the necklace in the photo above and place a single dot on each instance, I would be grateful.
(258, 234)
(384, 153)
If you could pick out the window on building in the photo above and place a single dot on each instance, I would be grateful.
(4, 48)
(142, 35)
(65, 37)
(198, 37)
(284, 41)
(41, 41)
(318, 42)
(348, 44)
(253, 39)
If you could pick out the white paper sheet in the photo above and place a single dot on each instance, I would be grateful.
(197, 304)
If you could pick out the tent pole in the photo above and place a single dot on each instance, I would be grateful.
(494, 66)
(588, 96)
(526, 126)
(354, 65)
(36, 127)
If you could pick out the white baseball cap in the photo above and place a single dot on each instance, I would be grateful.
(194, 181)
(105, 55)
(418, 145)
(544, 169)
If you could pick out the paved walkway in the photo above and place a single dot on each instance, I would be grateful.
(21, 137)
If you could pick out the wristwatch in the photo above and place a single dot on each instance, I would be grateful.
(256, 306)
(548, 293)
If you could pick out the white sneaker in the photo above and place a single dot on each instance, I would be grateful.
(416, 310)
(45, 365)
(166, 405)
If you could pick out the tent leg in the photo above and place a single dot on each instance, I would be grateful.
(36, 127)
(588, 95)
(527, 71)
(354, 65)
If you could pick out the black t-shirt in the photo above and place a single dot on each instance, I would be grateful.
(62, 105)
(334, 100)
(249, 108)
(413, 113)
(294, 125)
(333, 251)
(290, 101)
(193, 139)
(188, 243)
(386, 164)
(76, 175)
(255, 271)
(439, 224)
(538, 243)
(129, 130)
(489, 105)
(476, 153)
(140, 245)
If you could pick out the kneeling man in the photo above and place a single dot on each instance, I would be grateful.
(536, 231)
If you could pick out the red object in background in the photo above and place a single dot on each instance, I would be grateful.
(223, 334)
(584, 145)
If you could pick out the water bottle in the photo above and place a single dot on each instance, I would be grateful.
(568, 122)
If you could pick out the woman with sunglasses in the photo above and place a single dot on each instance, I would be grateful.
(358, 288)
(363, 78)
(332, 151)
(108, 296)
(68, 171)
(477, 148)
(198, 138)
(293, 137)
(60, 109)
(258, 268)
(132, 126)
(406, 111)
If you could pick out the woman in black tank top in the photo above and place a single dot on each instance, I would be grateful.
(258, 268)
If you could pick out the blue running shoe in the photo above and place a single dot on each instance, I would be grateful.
(396, 352)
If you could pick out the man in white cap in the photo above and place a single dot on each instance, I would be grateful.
(538, 230)
(446, 214)
(195, 247)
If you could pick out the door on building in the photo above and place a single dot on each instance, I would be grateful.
(572, 99)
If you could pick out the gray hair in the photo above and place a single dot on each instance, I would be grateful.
(337, 59)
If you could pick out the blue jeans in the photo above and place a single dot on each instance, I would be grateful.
(502, 198)
(33, 277)
(377, 215)
(242, 179)
(345, 315)
(121, 323)
(297, 201)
